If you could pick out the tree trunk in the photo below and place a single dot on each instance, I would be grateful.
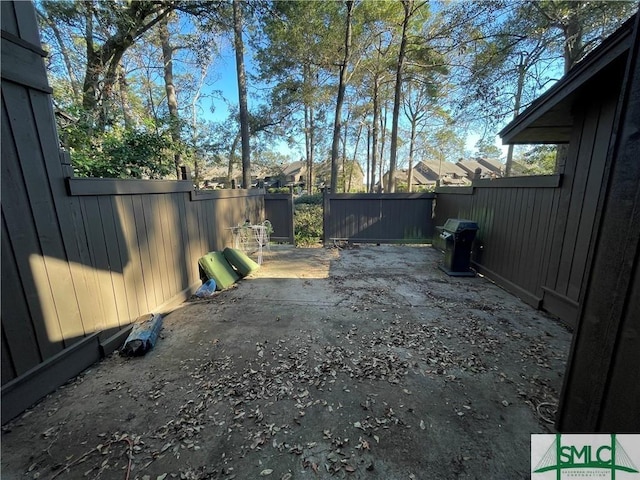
(232, 156)
(309, 126)
(335, 145)
(91, 75)
(374, 134)
(393, 153)
(368, 177)
(172, 99)
(242, 93)
(312, 148)
(344, 159)
(123, 89)
(103, 61)
(572, 38)
(412, 144)
(516, 110)
(383, 136)
(355, 156)
(73, 80)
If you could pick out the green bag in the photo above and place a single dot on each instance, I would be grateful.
(215, 265)
(241, 261)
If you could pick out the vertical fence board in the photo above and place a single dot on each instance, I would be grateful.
(111, 227)
(135, 249)
(174, 257)
(127, 259)
(21, 338)
(104, 299)
(185, 228)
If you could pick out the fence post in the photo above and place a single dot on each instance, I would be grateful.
(292, 225)
(326, 211)
(65, 160)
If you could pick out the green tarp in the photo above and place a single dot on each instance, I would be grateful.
(240, 260)
(215, 265)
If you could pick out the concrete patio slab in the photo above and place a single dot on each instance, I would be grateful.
(363, 362)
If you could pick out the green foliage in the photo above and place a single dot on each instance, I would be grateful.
(279, 190)
(315, 199)
(121, 153)
(540, 160)
(308, 224)
(487, 149)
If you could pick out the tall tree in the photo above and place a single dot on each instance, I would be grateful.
(342, 85)
(409, 10)
(242, 94)
(172, 98)
(298, 47)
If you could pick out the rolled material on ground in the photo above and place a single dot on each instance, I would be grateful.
(143, 336)
(215, 265)
(241, 261)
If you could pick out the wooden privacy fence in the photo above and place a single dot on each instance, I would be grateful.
(378, 218)
(515, 218)
(278, 209)
(82, 258)
(529, 241)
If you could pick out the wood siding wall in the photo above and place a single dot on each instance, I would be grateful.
(278, 209)
(602, 384)
(83, 258)
(378, 218)
(535, 232)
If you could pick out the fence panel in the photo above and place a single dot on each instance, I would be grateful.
(379, 218)
(278, 209)
(515, 219)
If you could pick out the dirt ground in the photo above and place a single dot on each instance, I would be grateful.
(361, 362)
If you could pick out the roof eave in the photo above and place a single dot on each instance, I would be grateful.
(548, 119)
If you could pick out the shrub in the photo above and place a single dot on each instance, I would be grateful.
(315, 199)
(308, 224)
(279, 190)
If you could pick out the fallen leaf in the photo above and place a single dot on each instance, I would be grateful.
(265, 472)
(422, 425)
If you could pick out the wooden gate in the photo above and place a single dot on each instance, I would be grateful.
(378, 218)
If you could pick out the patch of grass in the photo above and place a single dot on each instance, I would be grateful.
(307, 222)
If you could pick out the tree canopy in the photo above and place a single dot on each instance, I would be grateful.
(138, 85)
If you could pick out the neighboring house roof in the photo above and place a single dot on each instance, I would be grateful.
(470, 166)
(294, 168)
(548, 119)
(432, 169)
(324, 168)
(403, 176)
(487, 169)
(419, 178)
(495, 166)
